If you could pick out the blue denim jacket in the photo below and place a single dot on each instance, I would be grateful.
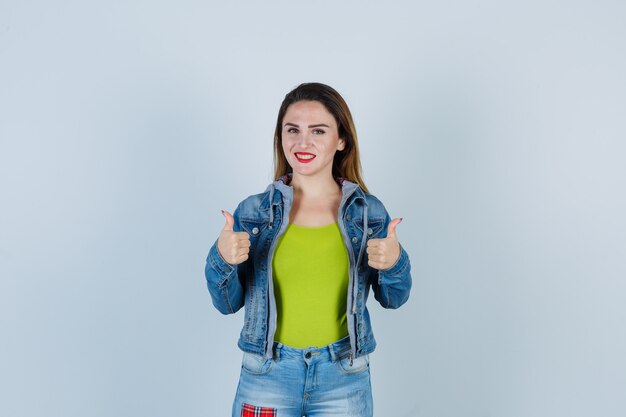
(265, 217)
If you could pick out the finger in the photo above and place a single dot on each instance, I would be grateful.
(391, 229)
(244, 243)
(372, 243)
(376, 257)
(237, 245)
(230, 220)
(242, 235)
(241, 258)
(373, 251)
(375, 264)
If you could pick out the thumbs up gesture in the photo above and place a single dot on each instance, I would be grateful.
(383, 253)
(233, 246)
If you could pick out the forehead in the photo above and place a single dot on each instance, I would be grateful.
(313, 111)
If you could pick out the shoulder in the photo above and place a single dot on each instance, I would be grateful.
(360, 200)
(256, 204)
(373, 203)
(375, 207)
(253, 200)
(253, 203)
(358, 197)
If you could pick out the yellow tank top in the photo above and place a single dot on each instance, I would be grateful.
(310, 273)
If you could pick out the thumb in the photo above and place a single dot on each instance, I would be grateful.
(391, 229)
(230, 220)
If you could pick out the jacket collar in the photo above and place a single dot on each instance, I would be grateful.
(348, 188)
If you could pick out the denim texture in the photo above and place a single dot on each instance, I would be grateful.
(265, 217)
(312, 382)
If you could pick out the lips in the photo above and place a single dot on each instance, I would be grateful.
(304, 157)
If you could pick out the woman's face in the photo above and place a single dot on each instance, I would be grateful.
(310, 138)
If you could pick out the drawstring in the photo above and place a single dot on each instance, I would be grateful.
(285, 180)
(363, 243)
(364, 227)
(271, 206)
(364, 240)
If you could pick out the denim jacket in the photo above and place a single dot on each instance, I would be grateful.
(265, 217)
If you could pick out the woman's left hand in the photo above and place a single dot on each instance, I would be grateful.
(383, 253)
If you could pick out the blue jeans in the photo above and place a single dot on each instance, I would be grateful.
(312, 382)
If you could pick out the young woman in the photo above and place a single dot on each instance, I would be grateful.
(302, 257)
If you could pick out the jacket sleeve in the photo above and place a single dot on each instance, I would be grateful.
(223, 280)
(392, 286)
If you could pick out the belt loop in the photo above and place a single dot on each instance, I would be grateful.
(333, 354)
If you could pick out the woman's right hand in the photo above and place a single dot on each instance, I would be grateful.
(233, 246)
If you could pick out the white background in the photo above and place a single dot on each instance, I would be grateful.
(495, 128)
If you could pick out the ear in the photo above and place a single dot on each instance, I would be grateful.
(341, 145)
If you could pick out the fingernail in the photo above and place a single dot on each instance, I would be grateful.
(222, 212)
(401, 218)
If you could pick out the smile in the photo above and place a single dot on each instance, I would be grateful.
(304, 157)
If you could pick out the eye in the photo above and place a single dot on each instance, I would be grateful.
(318, 131)
(292, 130)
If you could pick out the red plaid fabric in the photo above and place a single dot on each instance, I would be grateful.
(251, 411)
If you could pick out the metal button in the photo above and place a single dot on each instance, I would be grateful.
(307, 355)
(355, 240)
(369, 231)
(255, 230)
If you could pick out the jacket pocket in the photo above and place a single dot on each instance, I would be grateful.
(254, 227)
(374, 228)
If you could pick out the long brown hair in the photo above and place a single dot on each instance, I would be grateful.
(346, 163)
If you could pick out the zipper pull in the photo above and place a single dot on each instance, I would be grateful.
(351, 361)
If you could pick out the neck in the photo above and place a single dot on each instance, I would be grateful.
(314, 186)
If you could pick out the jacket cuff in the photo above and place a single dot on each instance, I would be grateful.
(401, 264)
(223, 268)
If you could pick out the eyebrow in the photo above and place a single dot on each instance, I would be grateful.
(310, 126)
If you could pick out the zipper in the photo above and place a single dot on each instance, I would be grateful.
(270, 283)
(350, 307)
(271, 299)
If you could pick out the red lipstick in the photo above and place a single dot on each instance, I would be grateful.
(304, 157)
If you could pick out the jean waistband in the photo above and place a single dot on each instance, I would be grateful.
(337, 350)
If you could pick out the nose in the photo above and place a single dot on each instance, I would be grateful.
(305, 139)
